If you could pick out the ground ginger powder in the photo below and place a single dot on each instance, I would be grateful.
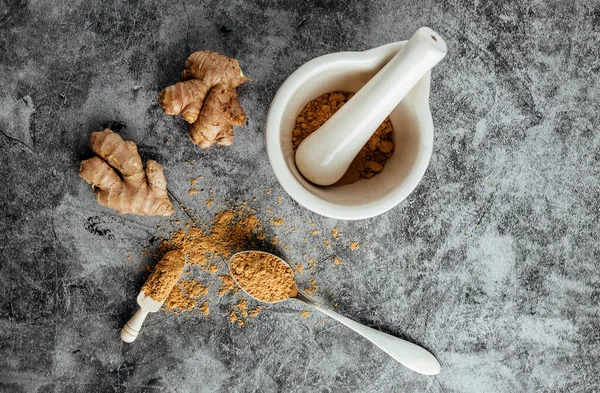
(164, 276)
(372, 157)
(264, 276)
(208, 246)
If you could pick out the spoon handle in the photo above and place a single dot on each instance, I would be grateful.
(132, 328)
(408, 354)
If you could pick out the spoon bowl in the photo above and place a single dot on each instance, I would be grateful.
(408, 354)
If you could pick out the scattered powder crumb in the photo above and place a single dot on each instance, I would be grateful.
(294, 230)
(268, 191)
(337, 261)
(233, 318)
(327, 243)
(212, 269)
(277, 222)
(299, 268)
(130, 257)
(204, 308)
(192, 191)
(305, 313)
(193, 181)
(177, 222)
(210, 202)
(254, 313)
(227, 285)
(312, 224)
(242, 306)
(269, 211)
(275, 240)
(311, 264)
(354, 246)
(335, 233)
(278, 200)
(314, 232)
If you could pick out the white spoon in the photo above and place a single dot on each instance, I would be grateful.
(408, 354)
(325, 155)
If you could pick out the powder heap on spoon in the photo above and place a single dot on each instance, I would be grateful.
(166, 273)
(264, 276)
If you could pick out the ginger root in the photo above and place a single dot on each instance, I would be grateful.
(207, 98)
(134, 191)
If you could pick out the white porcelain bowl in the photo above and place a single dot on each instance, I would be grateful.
(412, 135)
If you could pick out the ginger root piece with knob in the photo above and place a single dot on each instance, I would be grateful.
(133, 191)
(207, 98)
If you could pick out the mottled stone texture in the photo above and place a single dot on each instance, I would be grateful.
(492, 263)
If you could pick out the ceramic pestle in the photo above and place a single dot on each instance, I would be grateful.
(325, 155)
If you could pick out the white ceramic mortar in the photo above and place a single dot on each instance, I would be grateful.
(412, 135)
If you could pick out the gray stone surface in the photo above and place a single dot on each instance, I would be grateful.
(492, 263)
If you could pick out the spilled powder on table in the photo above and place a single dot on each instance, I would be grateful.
(233, 318)
(205, 309)
(242, 307)
(208, 247)
(335, 233)
(277, 222)
(227, 285)
(298, 268)
(313, 286)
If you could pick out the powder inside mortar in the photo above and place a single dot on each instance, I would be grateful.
(264, 276)
(372, 157)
